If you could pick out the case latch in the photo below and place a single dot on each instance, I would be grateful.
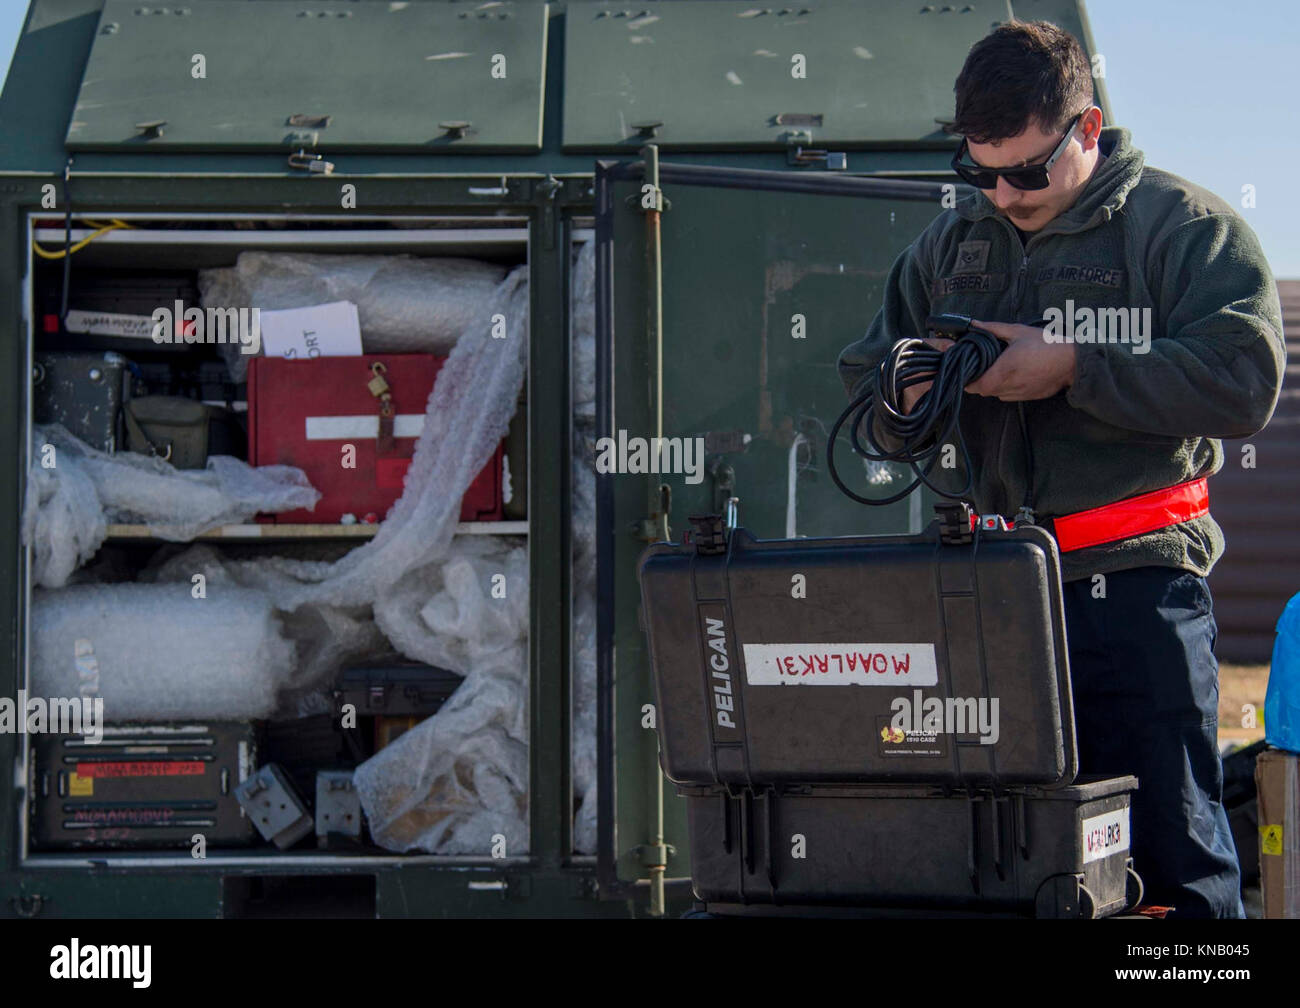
(956, 522)
(709, 535)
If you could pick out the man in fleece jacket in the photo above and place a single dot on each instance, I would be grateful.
(1065, 217)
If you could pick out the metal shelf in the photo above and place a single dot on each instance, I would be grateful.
(255, 532)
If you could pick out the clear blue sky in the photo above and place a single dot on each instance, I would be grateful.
(1208, 88)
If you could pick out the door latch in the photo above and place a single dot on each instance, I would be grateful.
(314, 163)
(797, 152)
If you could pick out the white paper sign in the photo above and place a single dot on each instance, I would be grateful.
(324, 330)
(840, 665)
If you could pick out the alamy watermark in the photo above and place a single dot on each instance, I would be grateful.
(209, 325)
(53, 716)
(945, 716)
(1129, 326)
(75, 961)
(625, 454)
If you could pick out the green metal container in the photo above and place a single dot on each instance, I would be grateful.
(790, 153)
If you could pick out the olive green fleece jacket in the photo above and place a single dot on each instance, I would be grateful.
(1132, 421)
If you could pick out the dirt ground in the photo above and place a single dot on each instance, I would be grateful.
(1240, 685)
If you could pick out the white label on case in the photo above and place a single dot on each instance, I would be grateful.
(109, 324)
(840, 665)
(1105, 834)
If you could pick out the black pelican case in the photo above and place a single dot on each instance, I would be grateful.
(932, 658)
(1051, 853)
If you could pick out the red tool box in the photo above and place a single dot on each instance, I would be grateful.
(304, 413)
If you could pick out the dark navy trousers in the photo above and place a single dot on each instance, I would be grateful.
(1146, 698)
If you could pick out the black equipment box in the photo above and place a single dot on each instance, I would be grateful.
(396, 689)
(1061, 852)
(84, 393)
(114, 309)
(931, 658)
(143, 785)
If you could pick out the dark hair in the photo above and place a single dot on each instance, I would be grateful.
(1021, 72)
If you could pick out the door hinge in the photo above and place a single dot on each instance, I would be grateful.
(654, 855)
(654, 527)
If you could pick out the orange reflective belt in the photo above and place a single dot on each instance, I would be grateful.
(1132, 516)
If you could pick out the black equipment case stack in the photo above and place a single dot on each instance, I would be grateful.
(929, 764)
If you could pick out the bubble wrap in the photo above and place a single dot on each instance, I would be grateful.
(583, 327)
(63, 521)
(460, 778)
(326, 638)
(583, 642)
(405, 304)
(67, 507)
(160, 653)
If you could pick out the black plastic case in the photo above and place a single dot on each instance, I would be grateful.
(1063, 852)
(143, 785)
(397, 689)
(783, 661)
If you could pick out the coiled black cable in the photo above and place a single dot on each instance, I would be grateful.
(934, 418)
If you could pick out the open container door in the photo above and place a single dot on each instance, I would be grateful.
(720, 319)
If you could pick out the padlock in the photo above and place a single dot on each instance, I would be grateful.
(378, 385)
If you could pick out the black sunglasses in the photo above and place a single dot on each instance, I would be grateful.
(1025, 177)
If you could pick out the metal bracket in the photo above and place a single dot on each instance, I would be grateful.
(724, 484)
(654, 527)
(731, 517)
(993, 523)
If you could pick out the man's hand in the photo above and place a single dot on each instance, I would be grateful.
(1029, 368)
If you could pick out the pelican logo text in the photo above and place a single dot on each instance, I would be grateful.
(723, 701)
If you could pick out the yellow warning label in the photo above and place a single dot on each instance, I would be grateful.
(1270, 839)
(80, 787)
